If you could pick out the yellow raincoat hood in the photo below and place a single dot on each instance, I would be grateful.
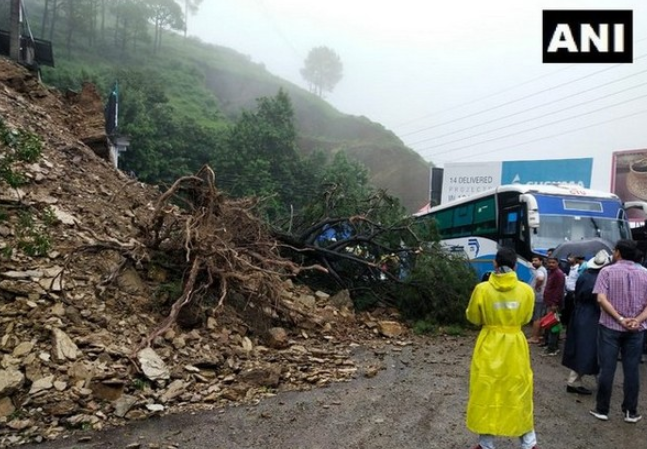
(504, 281)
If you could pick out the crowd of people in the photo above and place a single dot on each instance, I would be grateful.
(596, 307)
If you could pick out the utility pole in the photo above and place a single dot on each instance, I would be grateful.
(14, 30)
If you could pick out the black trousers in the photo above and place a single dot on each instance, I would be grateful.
(567, 310)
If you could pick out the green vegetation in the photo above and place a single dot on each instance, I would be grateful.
(16, 414)
(438, 289)
(140, 383)
(32, 230)
(34, 238)
(423, 327)
(165, 294)
(454, 330)
(17, 146)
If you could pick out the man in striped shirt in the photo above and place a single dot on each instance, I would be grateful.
(622, 294)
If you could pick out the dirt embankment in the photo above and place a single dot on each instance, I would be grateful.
(73, 317)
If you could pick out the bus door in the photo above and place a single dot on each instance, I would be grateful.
(513, 231)
(515, 234)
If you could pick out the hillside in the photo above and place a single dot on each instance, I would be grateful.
(83, 297)
(394, 167)
(212, 85)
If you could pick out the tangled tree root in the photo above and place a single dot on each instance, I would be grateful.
(215, 244)
(220, 246)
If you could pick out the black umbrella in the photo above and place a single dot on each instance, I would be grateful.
(585, 248)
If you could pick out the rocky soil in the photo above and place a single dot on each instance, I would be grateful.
(416, 399)
(72, 320)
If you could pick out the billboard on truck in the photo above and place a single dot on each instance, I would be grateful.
(463, 179)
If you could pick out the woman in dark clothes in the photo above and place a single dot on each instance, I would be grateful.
(580, 348)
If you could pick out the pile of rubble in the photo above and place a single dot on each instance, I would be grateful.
(70, 320)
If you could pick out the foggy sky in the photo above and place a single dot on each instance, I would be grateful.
(458, 81)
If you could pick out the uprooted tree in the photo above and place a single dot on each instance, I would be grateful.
(381, 256)
(218, 249)
(214, 245)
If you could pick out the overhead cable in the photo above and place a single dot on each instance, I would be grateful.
(556, 122)
(643, 111)
(517, 100)
(535, 117)
(548, 103)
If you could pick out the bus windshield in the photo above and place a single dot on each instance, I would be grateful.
(556, 229)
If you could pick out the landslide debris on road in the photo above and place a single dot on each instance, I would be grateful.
(82, 337)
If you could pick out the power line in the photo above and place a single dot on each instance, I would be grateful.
(444, 111)
(474, 114)
(554, 135)
(494, 94)
(536, 117)
(270, 18)
(552, 102)
(541, 126)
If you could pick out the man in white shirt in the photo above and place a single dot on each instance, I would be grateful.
(538, 283)
(571, 280)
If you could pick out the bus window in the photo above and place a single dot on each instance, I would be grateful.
(464, 220)
(510, 223)
(444, 223)
(485, 216)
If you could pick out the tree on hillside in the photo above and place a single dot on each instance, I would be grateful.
(323, 70)
(77, 19)
(190, 7)
(92, 15)
(131, 23)
(103, 20)
(164, 14)
(349, 180)
(164, 144)
(261, 157)
(51, 9)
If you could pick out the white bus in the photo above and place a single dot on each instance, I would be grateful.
(529, 219)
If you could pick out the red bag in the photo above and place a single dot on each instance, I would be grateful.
(549, 320)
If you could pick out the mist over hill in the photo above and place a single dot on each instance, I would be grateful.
(211, 86)
(393, 166)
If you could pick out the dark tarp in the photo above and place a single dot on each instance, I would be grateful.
(43, 53)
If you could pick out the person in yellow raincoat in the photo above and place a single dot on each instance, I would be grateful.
(501, 385)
